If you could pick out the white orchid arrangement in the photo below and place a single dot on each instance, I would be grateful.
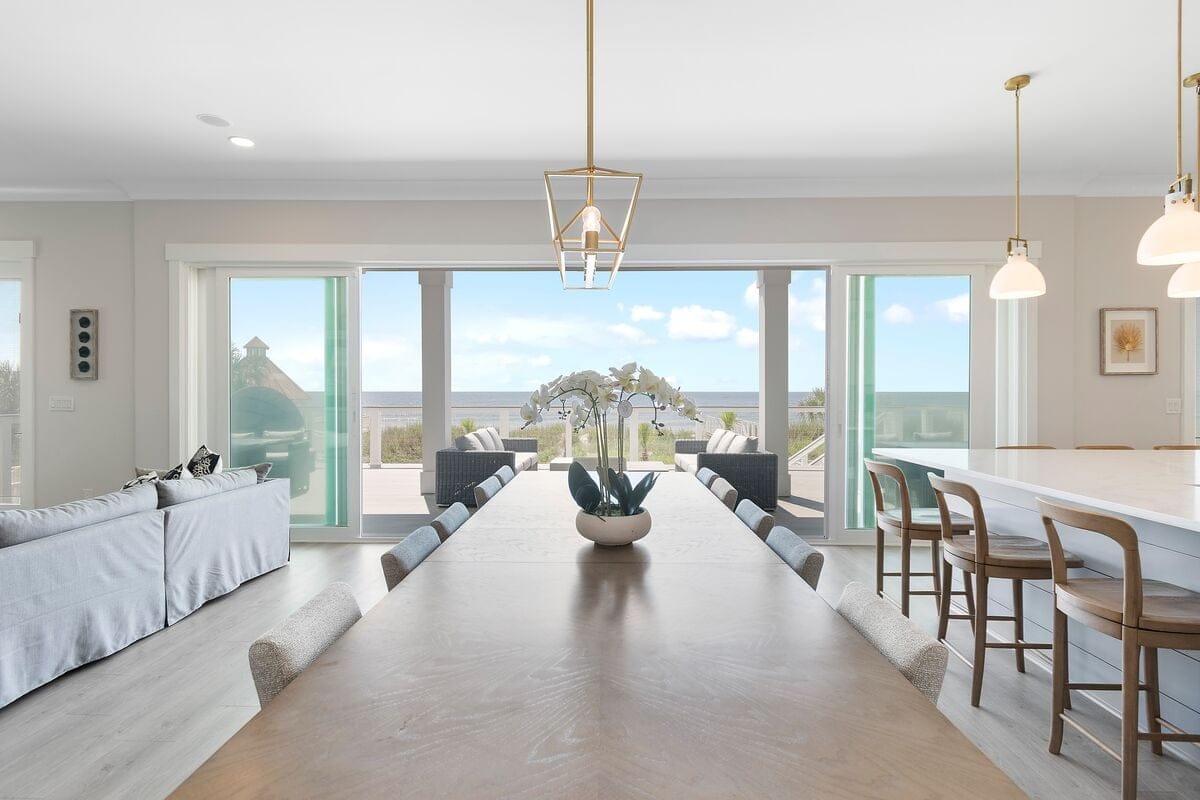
(586, 397)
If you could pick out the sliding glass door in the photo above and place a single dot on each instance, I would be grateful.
(917, 372)
(289, 348)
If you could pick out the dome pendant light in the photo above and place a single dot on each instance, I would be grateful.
(1019, 277)
(1174, 238)
(1185, 281)
(595, 245)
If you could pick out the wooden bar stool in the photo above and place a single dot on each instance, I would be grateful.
(1177, 447)
(910, 524)
(986, 556)
(1026, 447)
(1142, 614)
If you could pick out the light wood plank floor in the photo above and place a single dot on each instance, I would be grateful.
(137, 723)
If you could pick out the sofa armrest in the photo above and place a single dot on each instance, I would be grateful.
(521, 445)
(754, 475)
(690, 445)
(458, 471)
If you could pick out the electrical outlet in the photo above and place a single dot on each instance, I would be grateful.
(1174, 405)
(62, 403)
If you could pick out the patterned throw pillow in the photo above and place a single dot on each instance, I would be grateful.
(174, 473)
(143, 476)
(204, 462)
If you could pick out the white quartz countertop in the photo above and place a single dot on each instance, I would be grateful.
(1158, 485)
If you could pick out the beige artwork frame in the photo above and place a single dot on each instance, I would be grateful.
(1129, 340)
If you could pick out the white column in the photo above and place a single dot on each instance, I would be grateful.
(773, 368)
(435, 369)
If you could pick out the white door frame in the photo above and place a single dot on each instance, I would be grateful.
(217, 424)
(17, 260)
(982, 377)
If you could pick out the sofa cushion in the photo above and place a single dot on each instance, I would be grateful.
(526, 461)
(470, 441)
(174, 492)
(725, 444)
(686, 461)
(738, 444)
(25, 525)
(491, 438)
(716, 440)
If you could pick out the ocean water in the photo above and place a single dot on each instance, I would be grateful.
(515, 399)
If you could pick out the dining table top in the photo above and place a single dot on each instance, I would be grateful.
(521, 661)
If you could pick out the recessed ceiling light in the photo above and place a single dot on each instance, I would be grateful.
(214, 120)
(241, 141)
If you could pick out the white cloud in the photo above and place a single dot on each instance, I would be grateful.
(955, 309)
(697, 322)
(746, 337)
(387, 349)
(629, 333)
(810, 310)
(898, 314)
(643, 313)
(750, 296)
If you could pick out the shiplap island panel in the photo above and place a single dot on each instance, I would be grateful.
(501, 668)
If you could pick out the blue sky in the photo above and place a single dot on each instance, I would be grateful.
(10, 314)
(512, 331)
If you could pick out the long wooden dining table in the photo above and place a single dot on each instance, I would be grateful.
(521, 661)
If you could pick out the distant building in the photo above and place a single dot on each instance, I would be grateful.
(254, 368)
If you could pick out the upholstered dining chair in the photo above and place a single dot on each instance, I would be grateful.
(403, 558)
(450, 520)
(1103, 447)
(1026, 447)
(706, 476)
(755, 518)
(919, 657)
(486, 490)
(988, 557)
(1142, 615)
(505, 474)
(911, 524)
(725, 492)
(283, 652)
(804, 559)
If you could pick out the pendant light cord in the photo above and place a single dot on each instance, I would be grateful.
(590, 160)
(1178, 90)
(1017, 96)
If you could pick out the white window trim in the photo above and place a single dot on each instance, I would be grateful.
(17, 261)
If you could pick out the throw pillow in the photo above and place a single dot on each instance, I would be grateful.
(492, 438)
(737, 444)
(469, 442)
(143, 476)
(204, 462)
(716, 440)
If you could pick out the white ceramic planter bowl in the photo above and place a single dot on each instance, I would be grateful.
(613, 531)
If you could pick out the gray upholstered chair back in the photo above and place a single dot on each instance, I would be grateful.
(919, 657)
(505, 474)
(706, 476)
(724, 491)
(486, 490)
(283, 652)
(404, 557)
(450, 520)
(798, 554)
(755, 518)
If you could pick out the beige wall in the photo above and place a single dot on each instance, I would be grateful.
(94, 253)
(84, 260)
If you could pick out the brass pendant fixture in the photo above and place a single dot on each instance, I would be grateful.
(1019, 277)
(1174, 238)
(1185, 281)
(588, 247)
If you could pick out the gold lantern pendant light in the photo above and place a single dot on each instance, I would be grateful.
(1185, 281)
(588, 247)
(1174, 238)
(1019, 277)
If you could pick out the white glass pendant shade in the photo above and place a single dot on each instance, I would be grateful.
(1174, 238)
(1017, 279)
(1185, 281)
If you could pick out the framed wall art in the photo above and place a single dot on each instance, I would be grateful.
(1129, 341)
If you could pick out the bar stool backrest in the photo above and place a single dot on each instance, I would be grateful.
(878, 469)
(943, 487)
(1116, 529)
(1177, 447)
(1026, 447)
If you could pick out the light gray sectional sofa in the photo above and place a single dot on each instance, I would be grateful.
(85, 579)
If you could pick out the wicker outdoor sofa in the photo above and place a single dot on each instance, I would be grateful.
(475, 457)
(753, 473)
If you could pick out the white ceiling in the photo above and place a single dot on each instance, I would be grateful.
(446, 98)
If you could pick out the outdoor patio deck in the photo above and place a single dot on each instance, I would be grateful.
(393, 504)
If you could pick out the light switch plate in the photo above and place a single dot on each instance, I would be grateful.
(1174, 405)
(62, 403)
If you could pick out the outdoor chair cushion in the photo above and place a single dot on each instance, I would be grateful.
(716, 440)
(686, 461)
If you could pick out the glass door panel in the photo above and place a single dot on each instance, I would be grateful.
(10, 392)
(289, 398)
(908, 375)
